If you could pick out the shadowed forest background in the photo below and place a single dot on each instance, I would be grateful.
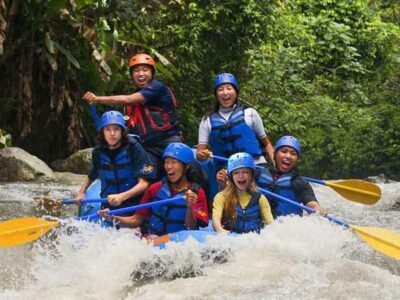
(325, 71)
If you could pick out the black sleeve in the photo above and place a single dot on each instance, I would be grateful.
(142, 164)
(303, 190)
(94, 172)
(198, 175)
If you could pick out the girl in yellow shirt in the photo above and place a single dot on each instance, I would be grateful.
(240, 207)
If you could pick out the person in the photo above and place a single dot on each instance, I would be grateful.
(123, 167)
(232, 127)
(189, 213)
(284, 181)
(151, 110)
(240, 207)
(207, 170)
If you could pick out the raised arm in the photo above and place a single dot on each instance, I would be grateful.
(268, 148)
(122, 100)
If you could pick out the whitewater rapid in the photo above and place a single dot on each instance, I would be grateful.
(305, 257)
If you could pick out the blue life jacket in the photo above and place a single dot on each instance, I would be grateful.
(209, 168)
(234, 135)
(282, 187)
(168, 218)
(248, 219)
(116, 175)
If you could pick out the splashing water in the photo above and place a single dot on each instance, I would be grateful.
(294, 257)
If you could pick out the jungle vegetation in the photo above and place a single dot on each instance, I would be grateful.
(325, 71)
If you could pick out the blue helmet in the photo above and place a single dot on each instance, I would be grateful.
(180, 152)
(225, 78)
(240, 160)
(112, 117)
(289, 141)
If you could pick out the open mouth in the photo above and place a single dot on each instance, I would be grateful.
(241, 184)
(286, 164)
(172, 176)
(142, 80)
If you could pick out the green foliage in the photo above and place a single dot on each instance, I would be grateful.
(325, 71)
(5, 139)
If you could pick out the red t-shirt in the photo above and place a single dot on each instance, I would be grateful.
(199, 208)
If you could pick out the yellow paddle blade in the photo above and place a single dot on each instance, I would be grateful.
(380, 239)
(22, 231)
(357, 190)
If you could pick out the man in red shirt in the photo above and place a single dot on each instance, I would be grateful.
(188, 213)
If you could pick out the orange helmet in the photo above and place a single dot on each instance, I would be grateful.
(142, 59)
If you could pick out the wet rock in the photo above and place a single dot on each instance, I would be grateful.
(381, 178)
(18, 165)
(170, 267)
(79, 162)
(69, 178)
(396, 205)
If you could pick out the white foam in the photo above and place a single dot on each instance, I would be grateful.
(294, 257)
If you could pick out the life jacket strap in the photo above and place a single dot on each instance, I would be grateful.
(231, 138)
(111, 167)
(227, 125)
(117, 181)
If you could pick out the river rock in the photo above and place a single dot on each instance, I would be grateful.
(18, 165)
(69, 178)
(381, 178)
(78, 163)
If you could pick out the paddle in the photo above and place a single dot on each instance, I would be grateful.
(51, 201)
(380, 239)
(94, 200)
(95, 116)
(21, 231)
(352, 189)
(55, 205)
(129, 209)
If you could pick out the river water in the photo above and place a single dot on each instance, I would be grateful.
(305, 257)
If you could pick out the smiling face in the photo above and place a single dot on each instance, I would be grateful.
(174, 169)
(226, 95)
(286, 159)
(242, 178)
(142, 75)
(112, 135)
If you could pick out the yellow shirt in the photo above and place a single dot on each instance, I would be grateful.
(244, 200)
